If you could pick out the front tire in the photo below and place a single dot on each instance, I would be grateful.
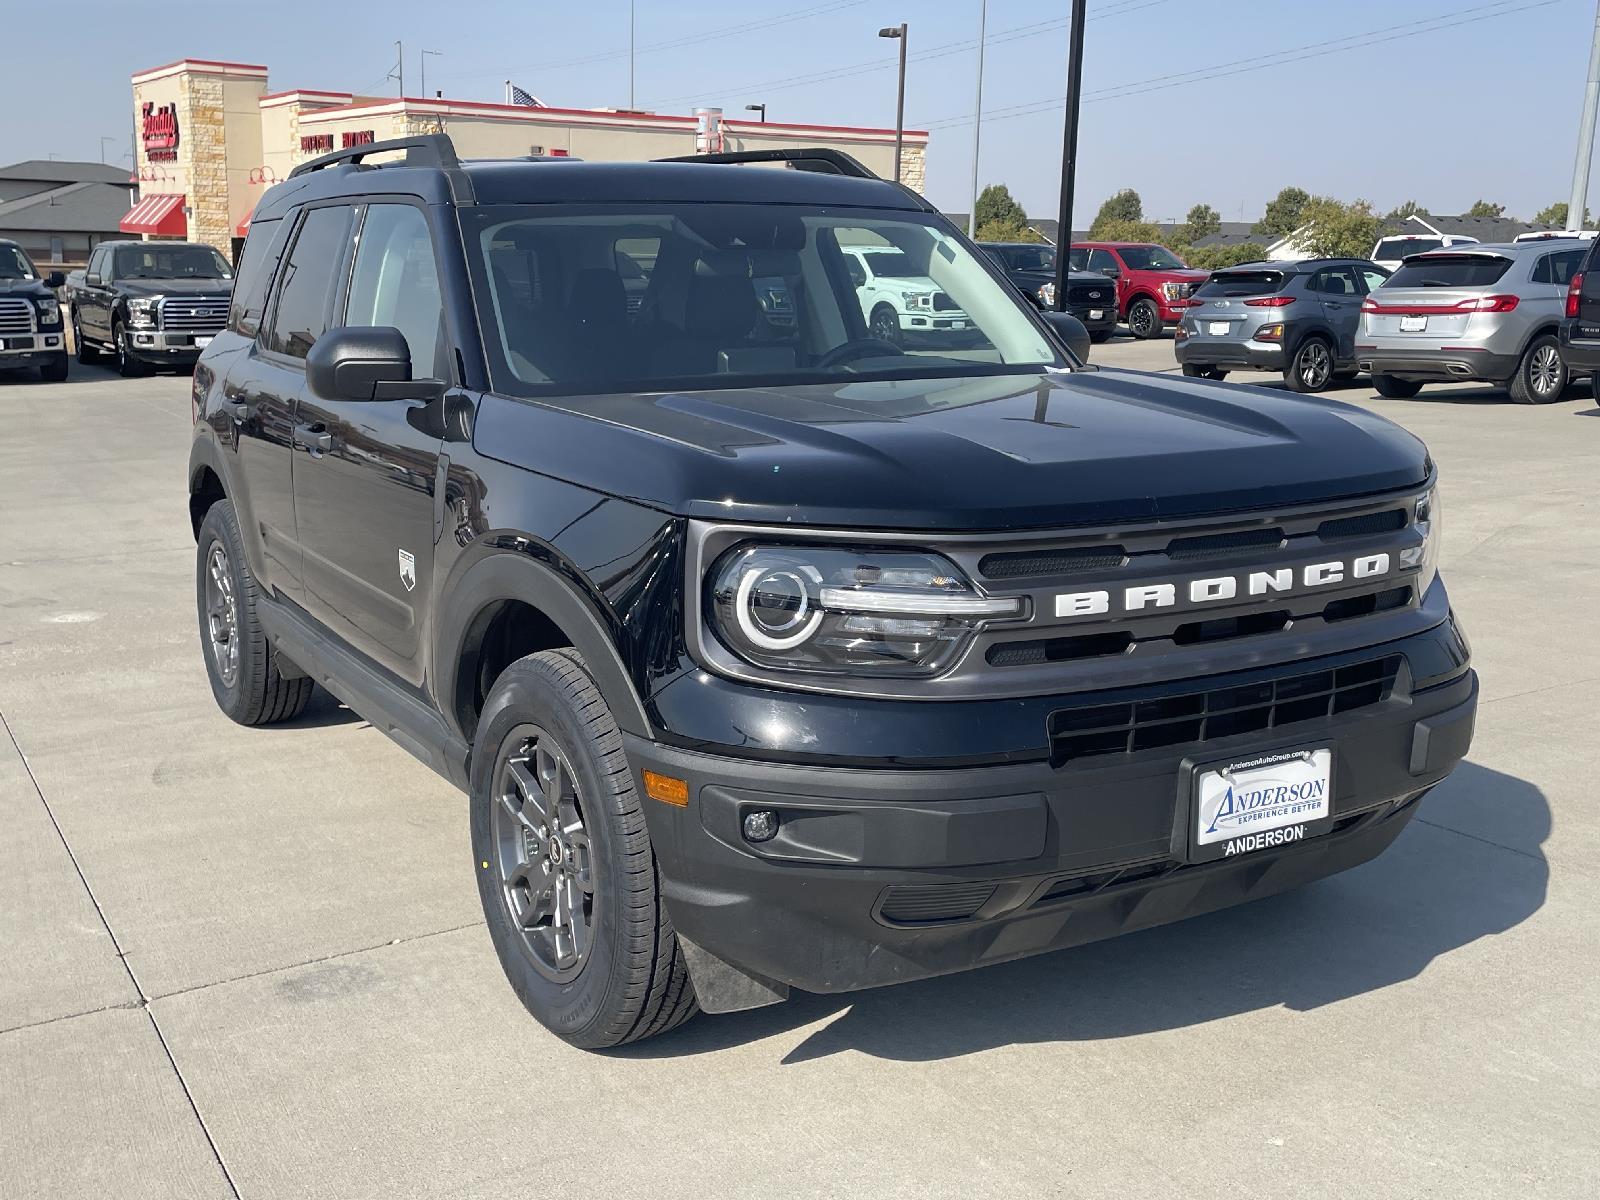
(1311, 369)
(245, 669)
(1144, 319)
(1542, 374)
(568, 880)
(1396, 389)
(55, 371)
(128, 366)
(884, 324)
(87, 354)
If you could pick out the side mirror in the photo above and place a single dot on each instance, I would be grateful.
(1110, 272)
(366, 362)
(93, 280)
(1071, 331)
(56, 279)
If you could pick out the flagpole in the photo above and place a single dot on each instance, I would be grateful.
(508, 91)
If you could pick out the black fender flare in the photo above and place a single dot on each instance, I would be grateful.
(205, 454)
(1292, 343)
(508, 574)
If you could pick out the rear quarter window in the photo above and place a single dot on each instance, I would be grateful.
(1242, 283)
(1450, 271)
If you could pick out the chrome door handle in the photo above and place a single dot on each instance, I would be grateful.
(314, 438)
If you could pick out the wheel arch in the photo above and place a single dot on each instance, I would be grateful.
(508, 605)
(1141, 292)
(207, 483)
(1552, 327)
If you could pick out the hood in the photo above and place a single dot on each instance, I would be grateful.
(24, 287)
(1045, 450)
(201, 288)
(1186, 275)
(1072, 277)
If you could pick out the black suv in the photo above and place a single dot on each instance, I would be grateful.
(773, 654)
(150, 304)
(30, 316)
(1091, 296)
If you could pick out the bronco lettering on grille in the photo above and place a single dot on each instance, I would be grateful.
(1220, 588)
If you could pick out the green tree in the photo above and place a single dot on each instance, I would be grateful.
(1332, 229)
(1202, 221)
(1125, 231)
(1555, 217)
(1409, 209)
(1482, 208)
(1123, 208)
(995, 203)
(1283, 213)
(1008, 231)
(1214, 258)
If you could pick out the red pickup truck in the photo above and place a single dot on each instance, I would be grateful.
(1152, 281)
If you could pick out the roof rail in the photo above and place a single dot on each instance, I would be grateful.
(822, 159)
(426, 150)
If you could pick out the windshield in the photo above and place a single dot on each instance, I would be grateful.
(1034, 258)
(153, 260)
(14, 264)
(1240, 283)
(1399, 247)
(1151, 258)
(735, 296)
(1449, 270)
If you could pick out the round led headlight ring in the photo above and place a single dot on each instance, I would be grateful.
(775, 608)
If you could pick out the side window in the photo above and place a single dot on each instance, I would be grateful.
(1099, 260)
(306, 282)
(1373, 279)
(396, 283)
(260, 256)
(1557, 268)
(1335, 281)
(1541, 270)
(858, 273)
(1077, 260)
(97, 262)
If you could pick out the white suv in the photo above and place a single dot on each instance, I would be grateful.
(896, 299)
(1390, 252)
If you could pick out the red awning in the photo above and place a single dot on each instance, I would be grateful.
(160, 214)
(243, 227)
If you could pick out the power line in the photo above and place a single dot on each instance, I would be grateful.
(1279, 58)
(942, 50)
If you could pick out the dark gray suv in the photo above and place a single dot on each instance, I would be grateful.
(1299, 318)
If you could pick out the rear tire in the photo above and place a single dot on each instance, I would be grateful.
(243, 666)
(1311, 369)
(56, 370)
(1396, 389)
(1542, 374)
(559, 843)
(1144, 319)
(1196, 371)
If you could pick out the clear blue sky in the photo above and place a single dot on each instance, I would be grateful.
(1443, 115)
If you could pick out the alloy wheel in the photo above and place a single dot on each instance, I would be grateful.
(1141, 320)
(544, 858)
(222, 616)
(885, 325)
(1545, 371)
(1316, 365)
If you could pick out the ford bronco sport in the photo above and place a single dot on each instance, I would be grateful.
(772, 653)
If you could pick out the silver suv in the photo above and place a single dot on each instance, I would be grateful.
(1489, 314)
(1296, 317)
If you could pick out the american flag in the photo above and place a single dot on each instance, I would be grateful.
(526, 99)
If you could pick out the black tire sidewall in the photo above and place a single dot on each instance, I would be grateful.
(1293, 378)
(891, 330)
(1524, 376)
(221, 527)
(578, 1009)
(1155, 319)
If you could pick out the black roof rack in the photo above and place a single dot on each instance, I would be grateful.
(426, 150)
(822, 159)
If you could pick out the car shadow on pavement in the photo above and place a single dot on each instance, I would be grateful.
(1434, 891)
(325, 710)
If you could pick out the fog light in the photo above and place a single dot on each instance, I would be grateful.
(761, 825)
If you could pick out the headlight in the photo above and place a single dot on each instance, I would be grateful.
(49, 311)
(1046, 293)
(917, 299)
(142, 310)
(1174, 291)
(847, 612)
(1425, 558)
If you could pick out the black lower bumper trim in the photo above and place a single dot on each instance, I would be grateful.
(1464, 365)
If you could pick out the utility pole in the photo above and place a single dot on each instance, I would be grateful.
(399, 72)
(898, 32)
(1578, 203)
(103, 142)
(631, 7)
(422, 60)
(1069, 152)
(977, 122)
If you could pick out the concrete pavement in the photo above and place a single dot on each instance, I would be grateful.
(251, 962)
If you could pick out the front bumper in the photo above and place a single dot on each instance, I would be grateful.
(1172, 310)
(158, 345)
(1443, 363)
(1107, 319)
(878, 876)
(31, 349)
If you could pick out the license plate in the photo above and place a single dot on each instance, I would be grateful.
(958, 324)
(1219, 329)
(1413, 324)
(1096, 313)
(1262, 802)
(202, 341)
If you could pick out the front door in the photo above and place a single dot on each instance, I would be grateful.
(364, 500)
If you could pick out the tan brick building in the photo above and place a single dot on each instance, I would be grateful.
(212, 138)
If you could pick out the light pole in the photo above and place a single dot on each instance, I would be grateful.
(760, 108)
(1577, 206)
(399, 72)
(1069, 152)
(103, 142)
(898, 32)
(422, 61)
(977, 123)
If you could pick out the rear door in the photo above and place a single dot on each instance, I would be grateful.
(1340, 293)
(364, 497)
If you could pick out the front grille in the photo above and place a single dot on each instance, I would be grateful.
(1217, 545)
(1089, 295)
(16, 315)
(1073, 561)
(926, 905)
(1364, 525)
(943, 303)
(193, 316)
(1204, 716)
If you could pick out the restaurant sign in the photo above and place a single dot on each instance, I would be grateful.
(322, 143)
(159, 131)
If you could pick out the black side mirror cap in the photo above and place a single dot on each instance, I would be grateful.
(1071, 331)
(366, 362)
(54, 280)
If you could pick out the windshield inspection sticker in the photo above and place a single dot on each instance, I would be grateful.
(1262, 802)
